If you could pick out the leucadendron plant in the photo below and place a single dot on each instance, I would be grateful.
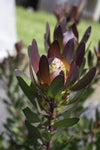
(58, 80)
(15, 133)
(72, 14)
(94, 60)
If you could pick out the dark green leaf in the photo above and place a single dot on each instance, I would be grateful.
(31, 116)
(26, 85)
(56, 87)
(46, 134)
(64, 109)
(66, 122)
(34, 131)
(82, 67)
(39, 108)
(60, 146)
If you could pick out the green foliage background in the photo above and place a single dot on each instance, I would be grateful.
(32, 25)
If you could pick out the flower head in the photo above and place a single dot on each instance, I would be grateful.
(65, 62)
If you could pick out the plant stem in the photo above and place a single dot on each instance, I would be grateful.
(51, 117)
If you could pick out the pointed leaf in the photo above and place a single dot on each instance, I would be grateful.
(82, 83)
(95, 50)
(26, 85)
(68, 51)
(19, 46)
(82, 67)
(74, 12)
(58, 11)
(47, 37)
(34, 55)
(33, 75)
(58, 35)
(63, 25)
(31, 116)
(67, 36)
(80, 54)
(90, 59)
(56, 86)
(86, 35)
(54, 50)
(44, 70)
(66, 122)
(75, 31)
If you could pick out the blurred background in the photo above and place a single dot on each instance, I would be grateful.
(26, 19)
(38, 12)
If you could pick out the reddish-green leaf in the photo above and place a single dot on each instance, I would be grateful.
(68, 51)
(58, 35)
(19, 46)
(54, 50)
(34, 55)
(74, 28)
(44, 70)
(47, 37)
(80, 54)
(82, 83)
(63, 25)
